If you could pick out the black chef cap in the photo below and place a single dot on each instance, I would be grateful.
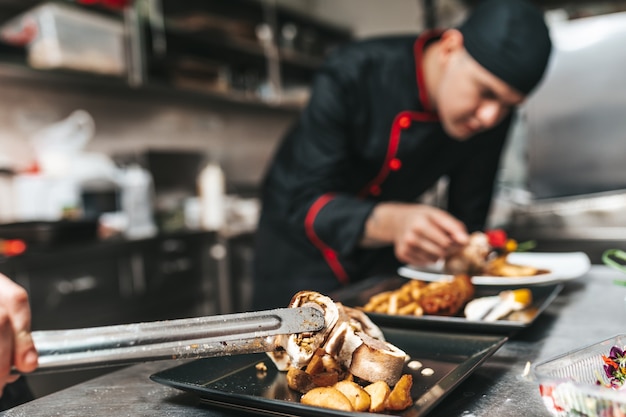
(510, 39)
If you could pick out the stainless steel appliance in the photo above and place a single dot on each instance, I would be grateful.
(575, 132)
(576, 119)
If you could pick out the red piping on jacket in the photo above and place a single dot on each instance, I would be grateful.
(403, 119)
(418, 52)
(330, 255)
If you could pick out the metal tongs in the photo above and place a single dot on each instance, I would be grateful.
(229, 334)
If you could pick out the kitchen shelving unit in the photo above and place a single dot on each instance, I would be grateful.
(246, 48)
(245, 52)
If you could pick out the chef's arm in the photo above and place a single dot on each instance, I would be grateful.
(420, 233)
(321, 146)
(16, 344)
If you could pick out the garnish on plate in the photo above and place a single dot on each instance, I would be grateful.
(486, 254)
(503, 244)
(615, 258)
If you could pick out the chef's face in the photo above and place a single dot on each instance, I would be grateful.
(469, 98)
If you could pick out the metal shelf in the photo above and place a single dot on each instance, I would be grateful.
(58, 79)
(150, 73)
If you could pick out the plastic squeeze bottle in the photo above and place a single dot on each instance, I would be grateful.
(211, 191)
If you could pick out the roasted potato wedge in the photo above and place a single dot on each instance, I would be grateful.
(378, 391)
(358, 397)
(316, 365)
(400, 396)
(300, 381)
(331, 365)
(325, 379)
(327, 397)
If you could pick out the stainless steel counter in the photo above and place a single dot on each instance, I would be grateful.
(589, 309)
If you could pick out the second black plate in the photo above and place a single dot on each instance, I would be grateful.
(358, 294)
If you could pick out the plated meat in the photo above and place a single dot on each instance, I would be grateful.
(487, 254)
(350, 338)
(472, 258)
(346, 365)
(416, 298)
(447, 298)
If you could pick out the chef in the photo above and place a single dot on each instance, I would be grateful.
(387, 119)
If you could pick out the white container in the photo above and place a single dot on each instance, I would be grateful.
(7, 203)
(567, 382)
(40, 197)
(211, 188)
(136, 184)
(61, 36)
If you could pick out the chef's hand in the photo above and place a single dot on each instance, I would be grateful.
(16, 344)
(420, 234)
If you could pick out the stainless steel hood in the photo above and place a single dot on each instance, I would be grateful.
(577, 118)
(590, 223)
(598, 216)
(575, 142)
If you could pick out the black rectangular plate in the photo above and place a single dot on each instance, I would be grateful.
(358, 294)
(232, 382)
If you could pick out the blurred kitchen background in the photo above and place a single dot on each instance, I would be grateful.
(134, 135)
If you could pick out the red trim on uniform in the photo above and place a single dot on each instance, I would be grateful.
(404, 119)
(418, 52)
(391, 162)
(404, 122)
(395, 164)
(329, 254)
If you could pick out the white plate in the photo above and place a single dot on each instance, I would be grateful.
(562, 267)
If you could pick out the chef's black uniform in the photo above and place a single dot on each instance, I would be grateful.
(367, 135)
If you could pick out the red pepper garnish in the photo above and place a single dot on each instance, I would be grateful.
(610, 362)
(497, 238)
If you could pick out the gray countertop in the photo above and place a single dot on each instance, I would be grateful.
(589, 309)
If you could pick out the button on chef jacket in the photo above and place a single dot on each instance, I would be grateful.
(368, 135)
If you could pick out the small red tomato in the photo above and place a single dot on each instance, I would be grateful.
(497, 238)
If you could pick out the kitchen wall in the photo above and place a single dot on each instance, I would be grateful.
(377, 17)
(241, 137)
(365, 17)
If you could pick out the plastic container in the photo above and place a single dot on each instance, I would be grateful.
(567, 383)
(61, 36)
(137, 196)
(211, 188)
